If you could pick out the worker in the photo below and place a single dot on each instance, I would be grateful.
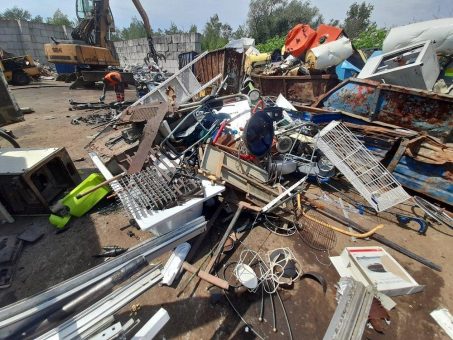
(113, 79)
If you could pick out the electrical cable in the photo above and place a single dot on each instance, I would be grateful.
(240, 316)
(286, 317)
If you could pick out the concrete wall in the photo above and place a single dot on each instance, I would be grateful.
(132, 52)
(22, 37)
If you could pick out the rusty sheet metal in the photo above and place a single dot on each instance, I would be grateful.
(225, 61)
(149, 134)
(427, 150)
(414, 109)
(435, 181)
(302, 89)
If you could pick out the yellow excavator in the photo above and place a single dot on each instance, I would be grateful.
(91, 51)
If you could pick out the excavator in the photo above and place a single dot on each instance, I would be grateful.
(90, 50)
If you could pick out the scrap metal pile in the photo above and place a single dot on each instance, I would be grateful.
(287, 166)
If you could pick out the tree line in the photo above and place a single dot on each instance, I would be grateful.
(268, 22)
(16, 13)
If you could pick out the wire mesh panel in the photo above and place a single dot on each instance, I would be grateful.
(369, 177)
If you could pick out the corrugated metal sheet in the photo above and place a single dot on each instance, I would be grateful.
(433, 180)
(301, 89)
(409, 108)
(225, 61)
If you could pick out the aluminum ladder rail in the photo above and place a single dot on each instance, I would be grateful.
(184, 83)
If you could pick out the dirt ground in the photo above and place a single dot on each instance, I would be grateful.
(200, 313)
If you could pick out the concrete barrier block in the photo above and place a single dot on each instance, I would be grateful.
(169, 39)
(9, 38)
(173, 47)
(176, 38)
(161, 47)
(25, 39)
(13, 30)
(159, 40)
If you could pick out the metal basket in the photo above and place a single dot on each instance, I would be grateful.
(369, 177)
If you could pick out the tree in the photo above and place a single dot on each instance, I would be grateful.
(135, 30)
(241, 32)
(193, 29)
(226, 31)
(357, 19)
(38, 19)
(334, 22)
(59, 19)
(215, 34)
(270, 18)
(372, 37)
(15, 13)
(173, 29)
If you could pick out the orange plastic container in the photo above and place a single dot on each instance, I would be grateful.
(325, 34)
(299, 39)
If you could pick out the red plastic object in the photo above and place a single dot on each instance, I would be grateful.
(325, 34)
(299, 39)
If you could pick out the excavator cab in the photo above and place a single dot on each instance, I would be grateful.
(84, 9)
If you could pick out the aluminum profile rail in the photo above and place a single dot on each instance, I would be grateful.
(369, 177)
(82, 322)
(149, 249)
(351, 315)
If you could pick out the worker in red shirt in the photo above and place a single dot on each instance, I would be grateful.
(115, 80)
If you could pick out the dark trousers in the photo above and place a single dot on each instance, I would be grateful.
(119, 90)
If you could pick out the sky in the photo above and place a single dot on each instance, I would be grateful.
(184, 13)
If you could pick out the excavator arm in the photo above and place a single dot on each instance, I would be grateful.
(152, 51)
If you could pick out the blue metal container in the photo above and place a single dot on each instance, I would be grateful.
(65, 68)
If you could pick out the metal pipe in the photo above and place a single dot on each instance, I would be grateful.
(328, 212)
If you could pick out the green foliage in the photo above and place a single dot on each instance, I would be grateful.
(334, 22)
(135, 30)
(193, 29)
(270, 18)
(15, 13)
(173, 29)
(59, 18)
(357, 19)
(271, 44)
(372, 37)
(215, 34)
(38, 19)
(241, 32)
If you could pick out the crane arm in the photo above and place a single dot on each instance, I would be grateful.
(152, 51)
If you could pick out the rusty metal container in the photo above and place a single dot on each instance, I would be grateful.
(410, 108)
(225, 61)
(299, 89)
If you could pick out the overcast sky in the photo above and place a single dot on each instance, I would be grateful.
(186, 12)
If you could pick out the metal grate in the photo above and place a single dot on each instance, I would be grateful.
(156, 189)
(146, 190)
(370, 178)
